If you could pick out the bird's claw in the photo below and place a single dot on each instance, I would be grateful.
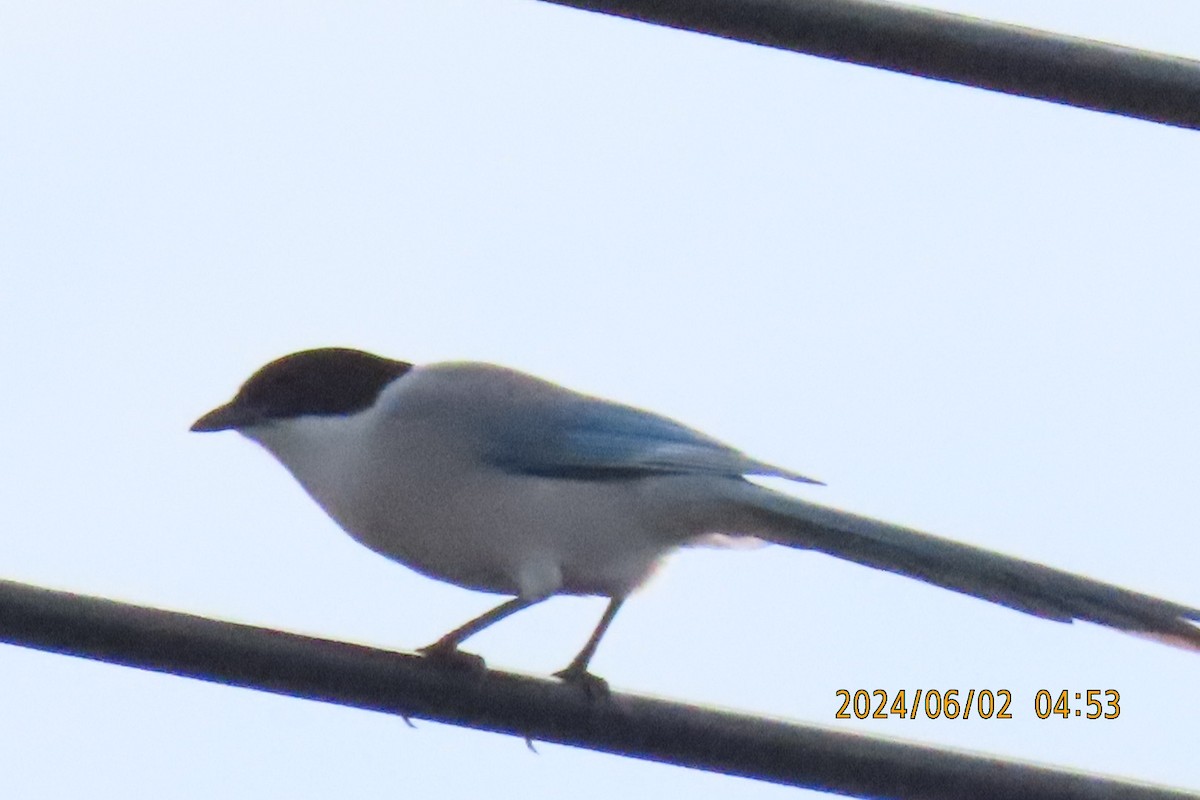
(450, 656)
(595, 687)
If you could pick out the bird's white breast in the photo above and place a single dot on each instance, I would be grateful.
(407, 478)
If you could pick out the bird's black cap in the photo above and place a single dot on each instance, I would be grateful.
(330, 381)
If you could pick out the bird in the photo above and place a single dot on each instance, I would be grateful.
(501, 482)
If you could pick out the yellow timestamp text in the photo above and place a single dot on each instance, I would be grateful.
(977, 703)
(1094, 704)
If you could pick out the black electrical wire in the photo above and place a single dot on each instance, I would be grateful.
(810, 756)
(944, 46)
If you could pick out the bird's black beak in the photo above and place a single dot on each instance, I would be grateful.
(228, 417)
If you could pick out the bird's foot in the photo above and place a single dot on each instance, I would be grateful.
(595, 687)
(448, 654)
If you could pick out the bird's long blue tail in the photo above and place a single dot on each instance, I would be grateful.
(1022, 585)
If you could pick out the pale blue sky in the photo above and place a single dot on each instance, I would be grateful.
(966, 312)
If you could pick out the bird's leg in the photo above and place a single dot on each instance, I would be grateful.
(446, 648)
(576, 672)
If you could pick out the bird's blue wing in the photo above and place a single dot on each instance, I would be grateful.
(585, 437)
